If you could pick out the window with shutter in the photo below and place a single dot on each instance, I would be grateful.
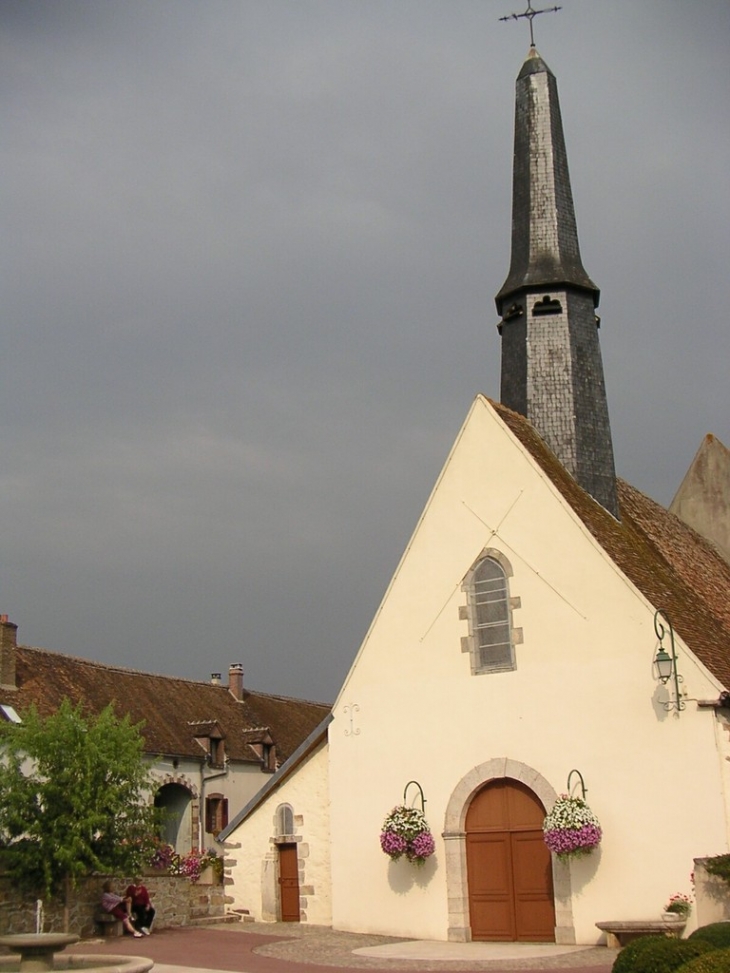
(216, 813)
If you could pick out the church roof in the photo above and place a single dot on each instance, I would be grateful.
(174, 711)
(673, 566)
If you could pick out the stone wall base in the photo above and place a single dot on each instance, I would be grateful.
(177, 900)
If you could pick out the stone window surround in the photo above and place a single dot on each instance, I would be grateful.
(454, 836)
(469, 643)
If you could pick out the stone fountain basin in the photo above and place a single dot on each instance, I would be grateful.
(41, 952)
(106, 963)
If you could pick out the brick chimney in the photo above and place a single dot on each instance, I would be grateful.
(235, 680)
(8, 645)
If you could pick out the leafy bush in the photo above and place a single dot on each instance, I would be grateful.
(717, 934)
(658, 954)
(717, 961)
(73, 798)
(629, 955)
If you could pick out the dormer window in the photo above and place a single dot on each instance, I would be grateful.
(217, 751)
(268, 757)
(262, 745)
(212, 739)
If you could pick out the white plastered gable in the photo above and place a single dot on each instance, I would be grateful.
(490, 497)
(410, 707)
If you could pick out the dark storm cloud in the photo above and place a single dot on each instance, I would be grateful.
(250, 253)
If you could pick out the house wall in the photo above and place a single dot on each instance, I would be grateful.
(583, 696)
(251, 854)
(239, 784)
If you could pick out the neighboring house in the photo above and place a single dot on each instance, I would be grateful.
(211, 746)
(514, 653)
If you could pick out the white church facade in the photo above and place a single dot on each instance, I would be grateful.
(514, 657)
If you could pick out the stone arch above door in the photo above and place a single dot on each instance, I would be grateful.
(454, 836)
(182, 779)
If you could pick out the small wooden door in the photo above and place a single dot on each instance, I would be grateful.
(289, 883)
(509, 869)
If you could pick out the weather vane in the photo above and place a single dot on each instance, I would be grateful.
(530, 15)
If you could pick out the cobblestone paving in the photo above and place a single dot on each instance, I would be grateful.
(326, 947)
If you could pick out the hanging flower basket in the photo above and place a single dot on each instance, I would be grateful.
(405, 832)
(571, 829)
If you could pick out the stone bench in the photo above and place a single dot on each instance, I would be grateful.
(110, 925)
(618, 933)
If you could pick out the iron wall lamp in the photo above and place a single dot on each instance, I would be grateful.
(666, 664)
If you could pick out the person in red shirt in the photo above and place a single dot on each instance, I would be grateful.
(118, 907)
(143, 912)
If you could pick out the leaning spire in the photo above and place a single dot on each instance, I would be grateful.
(552, 371)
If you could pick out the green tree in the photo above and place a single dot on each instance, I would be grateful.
(73, 798)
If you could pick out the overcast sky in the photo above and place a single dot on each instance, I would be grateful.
(249, 256)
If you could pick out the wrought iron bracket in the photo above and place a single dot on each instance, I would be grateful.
(420, 794)
(582, 782)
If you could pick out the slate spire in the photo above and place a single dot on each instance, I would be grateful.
(552, 371)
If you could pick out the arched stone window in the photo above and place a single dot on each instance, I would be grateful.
(284, 820)
(492, 637)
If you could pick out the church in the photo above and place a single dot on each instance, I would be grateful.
(548, 631)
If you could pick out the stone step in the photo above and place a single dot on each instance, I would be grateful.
(215, 920)
(244, 915)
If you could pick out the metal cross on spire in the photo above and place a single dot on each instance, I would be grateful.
(530, 15)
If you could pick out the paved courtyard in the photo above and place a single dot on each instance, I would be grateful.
(294, 948)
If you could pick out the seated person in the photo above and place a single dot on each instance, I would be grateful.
(143, 912)
(119, 907)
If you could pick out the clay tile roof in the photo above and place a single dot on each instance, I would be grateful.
(675, 568)
(174, 711)
(257, 734)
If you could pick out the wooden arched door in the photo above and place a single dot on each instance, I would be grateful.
(508, 866)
